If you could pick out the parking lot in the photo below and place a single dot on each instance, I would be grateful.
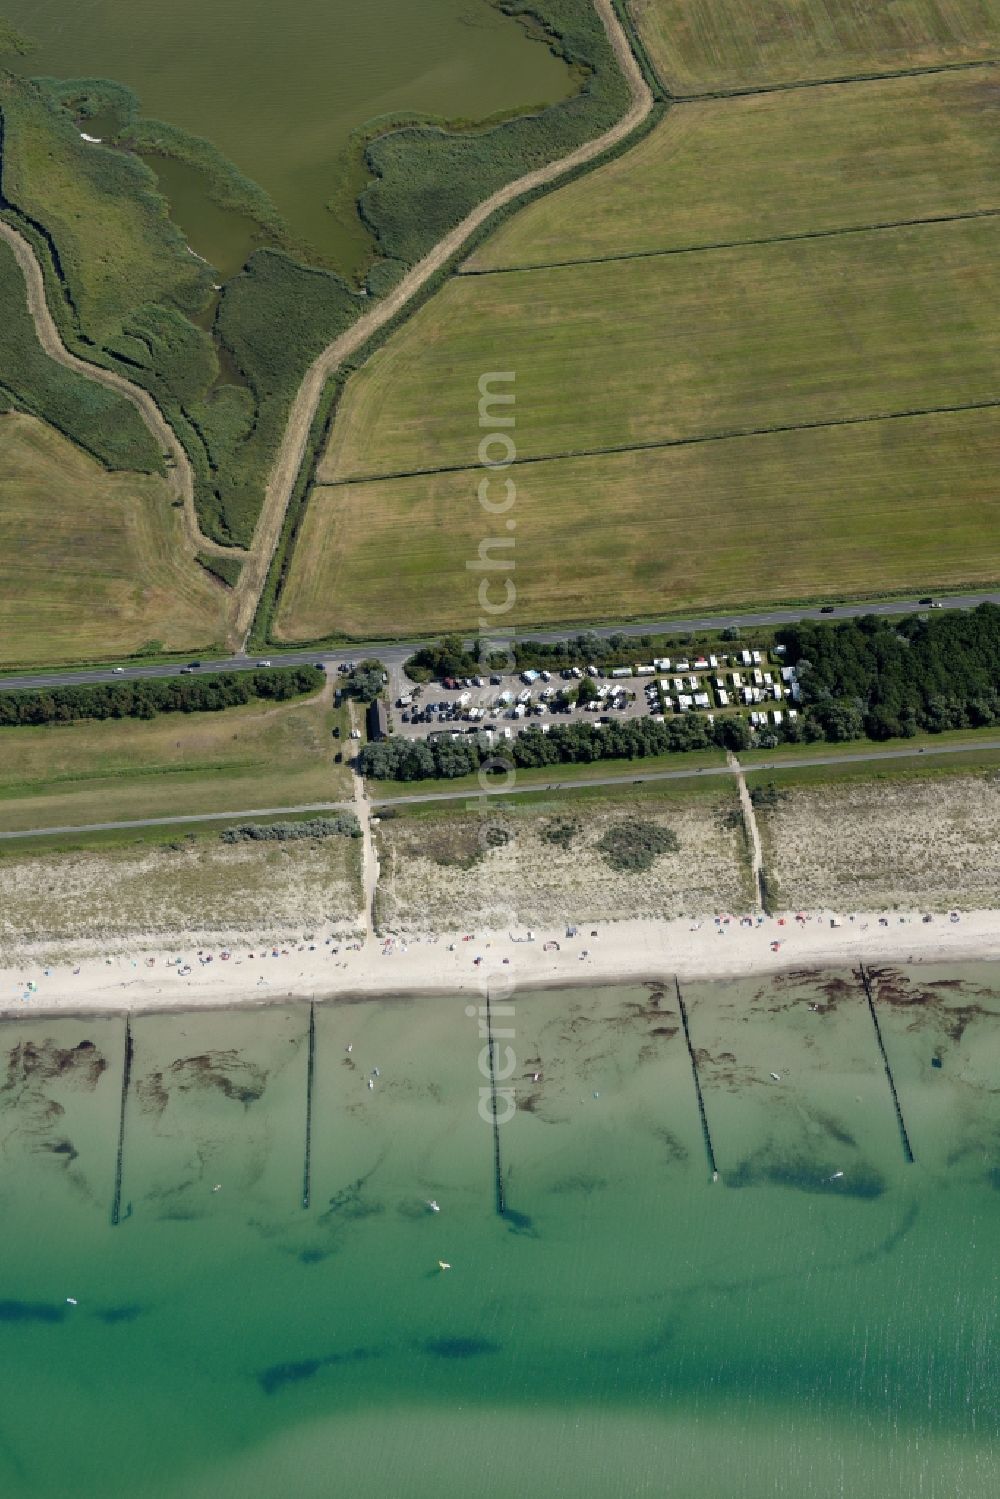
(508, 704)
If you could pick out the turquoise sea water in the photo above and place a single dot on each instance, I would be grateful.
(627, 1327)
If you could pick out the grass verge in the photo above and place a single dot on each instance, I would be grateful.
(257, 755)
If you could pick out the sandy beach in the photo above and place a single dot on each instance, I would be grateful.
(328, 967)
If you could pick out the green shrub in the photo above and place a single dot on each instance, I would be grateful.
(632, 846)
(226, 569)
(560, 831)
(343, 825)
(767, 796)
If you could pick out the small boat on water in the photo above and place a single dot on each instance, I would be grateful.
(776, 1076)
(72, 1301)
(835, 1177)
(443, 1265)
(370, 1083)
(435, 1207)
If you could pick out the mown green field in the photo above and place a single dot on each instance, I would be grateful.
(702, 45)
(92, 564)
(848, 510)
(252, 756)
(621, 353)
(802, 162)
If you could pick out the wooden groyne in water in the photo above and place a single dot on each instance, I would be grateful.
(116, 1201)
(310, 1078)
(710, 1149)
(907, 1149)
(498, 1188)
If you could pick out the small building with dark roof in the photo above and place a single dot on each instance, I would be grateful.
(378, 721)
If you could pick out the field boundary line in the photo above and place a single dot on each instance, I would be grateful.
(878, 227)
(791, 85)
(179, 474)
(656, 444)
(295, 439)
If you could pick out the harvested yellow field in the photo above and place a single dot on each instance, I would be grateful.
(92, 564)
(701, 45)
(436, 875)
(787, 515)
(807, 161)
(876, 844)
(199, 891)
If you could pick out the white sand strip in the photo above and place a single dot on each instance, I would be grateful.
(326, 967)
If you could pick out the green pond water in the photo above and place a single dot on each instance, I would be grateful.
(627, 1327)
(279, 88)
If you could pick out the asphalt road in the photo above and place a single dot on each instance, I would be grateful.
(396, 654)
(630, 778)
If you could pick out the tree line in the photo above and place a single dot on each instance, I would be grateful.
(887, 678)
(145, 697)
(399, 759)
(450, 657)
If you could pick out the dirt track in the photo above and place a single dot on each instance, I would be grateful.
(303, 410)
(292, 451)
(180, 479)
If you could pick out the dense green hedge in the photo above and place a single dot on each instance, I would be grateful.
(319, 431)
(450, 657)
(343, 825)
(399, 759)
(146, 697)
(99, 420)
